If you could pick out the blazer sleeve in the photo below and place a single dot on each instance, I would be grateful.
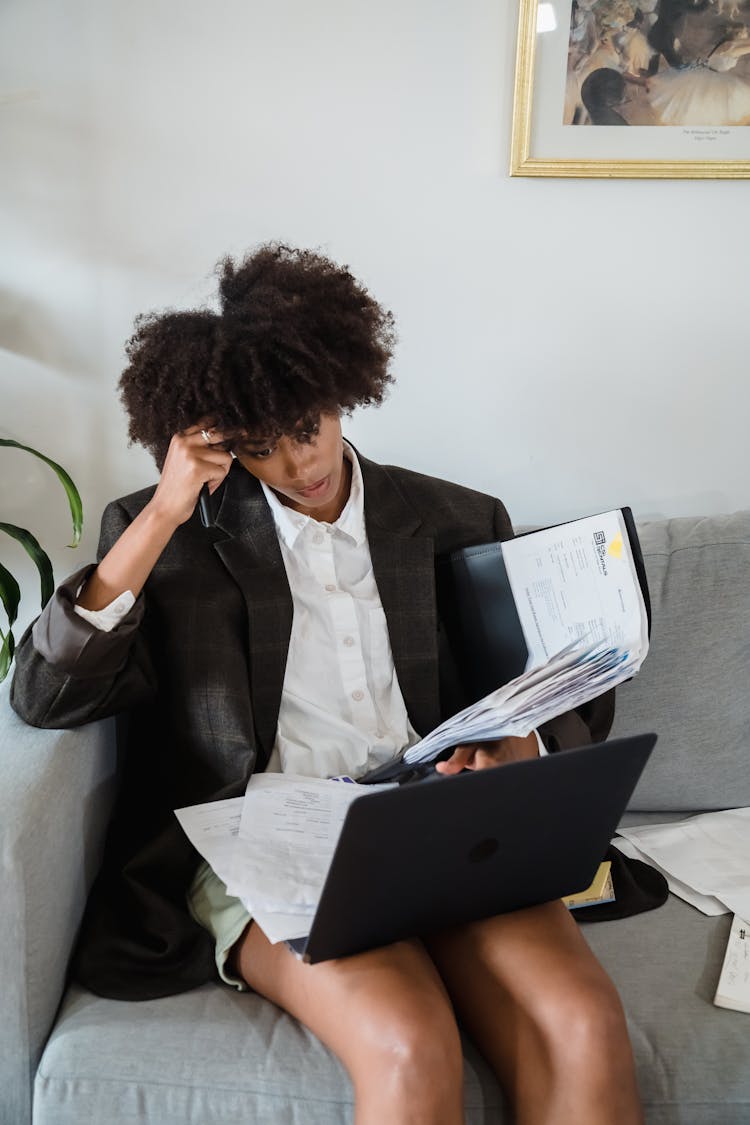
(68, 672)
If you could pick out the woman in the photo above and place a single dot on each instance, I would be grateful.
(708, 92)
(301, 630)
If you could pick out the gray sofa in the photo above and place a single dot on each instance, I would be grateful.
(213, 1055)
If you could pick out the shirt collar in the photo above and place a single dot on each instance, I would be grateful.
(351, 522)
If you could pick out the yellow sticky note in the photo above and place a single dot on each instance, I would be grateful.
(615, 547)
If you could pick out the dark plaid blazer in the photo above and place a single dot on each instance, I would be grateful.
(195, 674)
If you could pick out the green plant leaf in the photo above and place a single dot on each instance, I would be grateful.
(6, 653)
(72, 493)
(10, 594)
(38, 556)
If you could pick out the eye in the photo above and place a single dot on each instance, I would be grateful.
(261, 454)
(308, 434)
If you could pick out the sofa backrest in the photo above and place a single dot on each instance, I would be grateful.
(693, 689)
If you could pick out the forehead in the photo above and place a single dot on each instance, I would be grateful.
(261, 438)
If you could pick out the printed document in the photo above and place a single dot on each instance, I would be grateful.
(581, 608)
(576, 580)
(569, 679)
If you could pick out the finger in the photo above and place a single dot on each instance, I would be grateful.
(460, 759)
(197, 443)
(484, 759)
(206, 432)
(203, 424)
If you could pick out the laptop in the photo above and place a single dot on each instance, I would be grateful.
(445, 850)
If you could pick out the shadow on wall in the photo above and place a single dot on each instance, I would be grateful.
(28, 329)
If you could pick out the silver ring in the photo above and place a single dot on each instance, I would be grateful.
(206, 438)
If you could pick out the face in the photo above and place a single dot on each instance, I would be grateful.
(306, 469)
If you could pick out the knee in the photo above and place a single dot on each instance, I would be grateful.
(412, 1052)
(584, 1028)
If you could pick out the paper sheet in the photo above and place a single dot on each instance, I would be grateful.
(273, 847)
(212, 829)
(733, 990)
(576, 580)
(709, 853)
(577, 674)
(707, 904)
(288, 833)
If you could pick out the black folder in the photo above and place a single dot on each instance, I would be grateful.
(478, 611)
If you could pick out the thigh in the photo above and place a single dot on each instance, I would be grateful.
(528, 973)
(356, 1004)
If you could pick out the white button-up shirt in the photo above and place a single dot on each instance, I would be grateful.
(342, 711)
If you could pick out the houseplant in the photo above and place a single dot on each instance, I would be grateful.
(10, 591)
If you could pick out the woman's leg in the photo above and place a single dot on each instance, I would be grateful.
(387, 1016)
(544, 1013)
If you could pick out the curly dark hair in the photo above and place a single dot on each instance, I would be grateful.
(297, 336)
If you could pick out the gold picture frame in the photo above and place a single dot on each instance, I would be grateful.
(543, 143)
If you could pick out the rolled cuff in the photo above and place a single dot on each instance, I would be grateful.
(72, 644)
(110, 617)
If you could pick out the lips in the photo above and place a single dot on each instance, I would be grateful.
(316, 488)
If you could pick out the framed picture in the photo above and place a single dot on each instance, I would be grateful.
(640, 88)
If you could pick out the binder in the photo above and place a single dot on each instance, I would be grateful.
(479, 613)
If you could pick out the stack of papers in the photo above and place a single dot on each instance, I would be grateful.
(572, 677)
(580, 606)
(273, 847)
(705, 859)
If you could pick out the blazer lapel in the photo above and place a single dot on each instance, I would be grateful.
(252, 556)
(404, 567)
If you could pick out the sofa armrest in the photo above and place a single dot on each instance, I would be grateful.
(56, 793)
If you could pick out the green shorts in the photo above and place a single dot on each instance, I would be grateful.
(221, 914)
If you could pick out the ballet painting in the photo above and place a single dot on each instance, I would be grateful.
(675, 72)
(658, 62)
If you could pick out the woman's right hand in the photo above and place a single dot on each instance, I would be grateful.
(190, 463)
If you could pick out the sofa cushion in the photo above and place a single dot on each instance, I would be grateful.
(693, 1059)
(699, 578)
(214, 1055)
(207, 1056)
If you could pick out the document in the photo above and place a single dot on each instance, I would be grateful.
(733, 990)
(569, 599)
(707, 904)
(273, 847)
(212, 829)
(572, 677)
(291, 824)
(708, 854)
(576, 580)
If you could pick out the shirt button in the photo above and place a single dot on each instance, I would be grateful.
(330, 587)
(358, 695)
(348, 641)
(379, 734)
(317, 537)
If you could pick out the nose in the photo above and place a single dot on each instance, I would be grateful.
(298, 462)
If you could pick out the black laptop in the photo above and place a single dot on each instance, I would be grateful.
(418, 858)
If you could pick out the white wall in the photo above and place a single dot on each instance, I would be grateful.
(566, 345)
